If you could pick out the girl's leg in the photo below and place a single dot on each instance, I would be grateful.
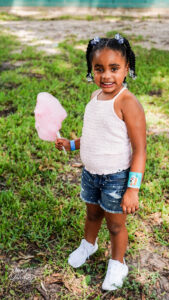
(118, 234)
(94, 219)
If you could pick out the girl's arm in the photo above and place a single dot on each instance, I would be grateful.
(134, 117)
(77, 143)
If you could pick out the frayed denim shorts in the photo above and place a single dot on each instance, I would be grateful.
(104, 190)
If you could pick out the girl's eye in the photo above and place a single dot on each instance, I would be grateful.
(99, 70)
(114, 69)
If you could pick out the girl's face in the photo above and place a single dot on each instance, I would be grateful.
(110, 69)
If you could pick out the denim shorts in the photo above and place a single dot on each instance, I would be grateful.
(105, 190)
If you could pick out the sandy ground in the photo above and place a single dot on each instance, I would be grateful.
(47, 34)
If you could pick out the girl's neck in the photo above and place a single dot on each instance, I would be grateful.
(109, 96)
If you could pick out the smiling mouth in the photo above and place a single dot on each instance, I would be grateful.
(107, 84)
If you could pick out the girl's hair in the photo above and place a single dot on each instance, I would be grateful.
(118, 43)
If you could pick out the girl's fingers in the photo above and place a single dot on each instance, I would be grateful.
(133, 210)
(58, 141)
(59, 146)
(124, 209)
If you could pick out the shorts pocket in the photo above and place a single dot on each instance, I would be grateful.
(118, 177)
(87, 180)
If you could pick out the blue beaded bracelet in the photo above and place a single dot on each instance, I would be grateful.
(134, 180)
(72, 145)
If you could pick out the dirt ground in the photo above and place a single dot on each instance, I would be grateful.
(45, 35)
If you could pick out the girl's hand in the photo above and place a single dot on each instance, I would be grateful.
(130, 201)
(60, 143)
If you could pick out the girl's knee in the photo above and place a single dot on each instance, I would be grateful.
(116, 228)
(94, 216)
(94, 213)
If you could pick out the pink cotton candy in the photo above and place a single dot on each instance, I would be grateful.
(49, 114)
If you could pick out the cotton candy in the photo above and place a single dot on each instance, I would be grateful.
(49, 114)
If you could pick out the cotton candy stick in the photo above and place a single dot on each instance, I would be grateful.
(59, 136)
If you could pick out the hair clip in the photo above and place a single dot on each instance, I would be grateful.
(131, 74)
(119, 38)
(89, 77)
(95, 41)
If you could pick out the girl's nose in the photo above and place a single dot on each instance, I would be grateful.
(106, 75)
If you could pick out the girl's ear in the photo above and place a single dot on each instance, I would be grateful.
(127, 69)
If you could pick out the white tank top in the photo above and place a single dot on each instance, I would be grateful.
(104, 145)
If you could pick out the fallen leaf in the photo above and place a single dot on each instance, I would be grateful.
(157, 285)
(56, 274)
(142, 279)
(77, 165)
(143, 297)
(26, 257)
(43, 287)
(67, 285)
(41, 254)
(150, 133)
(139, 234)
(22, 258)
(165, 254)
(22, 262)
(56, 277)
(156, 218)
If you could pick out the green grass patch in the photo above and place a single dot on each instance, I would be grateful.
(26, 161)
(40, 209)
(5, 16)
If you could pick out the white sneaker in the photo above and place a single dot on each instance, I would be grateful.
(115, 275)
(78, 257)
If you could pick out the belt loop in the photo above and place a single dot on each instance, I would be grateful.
(100, 179)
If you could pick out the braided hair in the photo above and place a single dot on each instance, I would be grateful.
(118, 43)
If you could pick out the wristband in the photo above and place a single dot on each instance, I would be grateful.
(134, 180)
(72, 145)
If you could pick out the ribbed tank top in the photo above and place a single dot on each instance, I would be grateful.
(104, 145)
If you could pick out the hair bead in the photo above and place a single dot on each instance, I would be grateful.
(95, 40)
(89, 77)
(119, 38)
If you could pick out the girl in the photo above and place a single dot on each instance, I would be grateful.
(113, 151)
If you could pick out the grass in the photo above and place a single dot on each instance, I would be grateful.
(5, 16)
(40, 210)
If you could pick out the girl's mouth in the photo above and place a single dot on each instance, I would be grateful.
(107, 84)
